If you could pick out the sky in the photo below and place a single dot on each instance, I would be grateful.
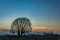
(43, 14)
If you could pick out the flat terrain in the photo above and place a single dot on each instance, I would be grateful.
(31, 38)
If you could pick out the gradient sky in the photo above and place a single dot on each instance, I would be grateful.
(42, 13)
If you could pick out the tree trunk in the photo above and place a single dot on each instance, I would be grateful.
(18, 32)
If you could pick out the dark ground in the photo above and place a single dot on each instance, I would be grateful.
(30, 38)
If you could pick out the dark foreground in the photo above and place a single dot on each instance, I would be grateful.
(30, 38)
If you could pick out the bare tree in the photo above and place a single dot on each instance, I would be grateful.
(21, 25)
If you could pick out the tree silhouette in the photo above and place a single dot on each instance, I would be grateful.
(21, 25)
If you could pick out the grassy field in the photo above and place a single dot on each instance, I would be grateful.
(31, 38)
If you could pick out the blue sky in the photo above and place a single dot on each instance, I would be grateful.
(40, 12)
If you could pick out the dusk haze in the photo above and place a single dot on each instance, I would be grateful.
(43, 14)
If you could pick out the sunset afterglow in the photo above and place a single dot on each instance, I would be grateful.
(44, 15)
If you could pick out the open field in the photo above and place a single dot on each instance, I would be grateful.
(30, 38)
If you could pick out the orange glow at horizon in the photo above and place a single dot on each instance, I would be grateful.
(35, 28)
(40, 28)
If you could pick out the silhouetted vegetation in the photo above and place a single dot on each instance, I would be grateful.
(30, 37)
(21, 25)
